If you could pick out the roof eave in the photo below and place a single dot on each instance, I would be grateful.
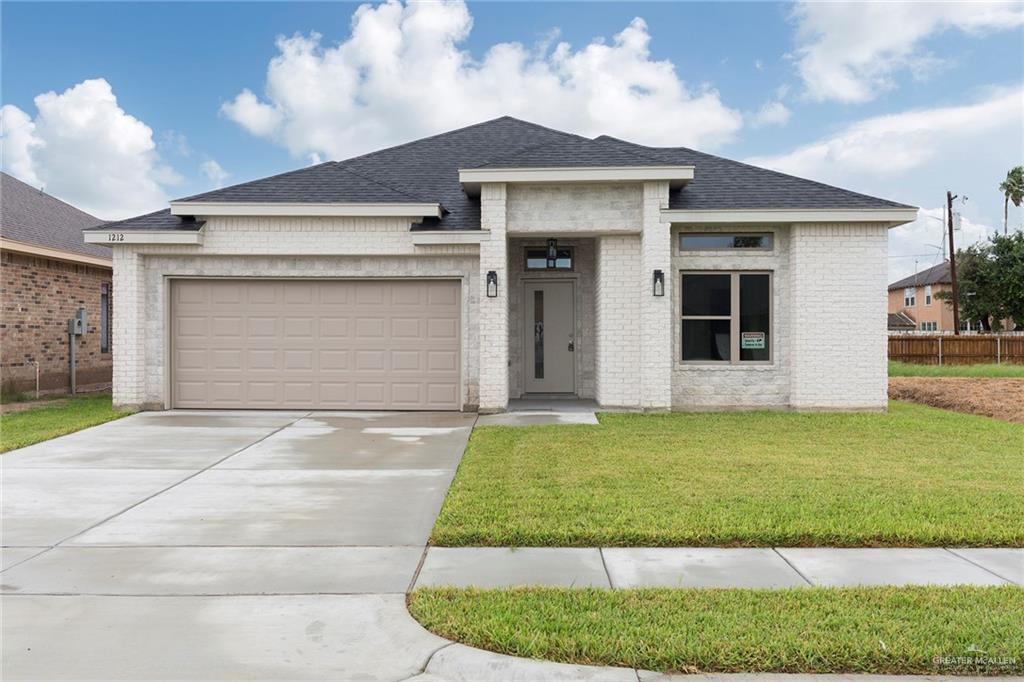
(890, 217)
(114, 237)
(472, 178)
(302, 209)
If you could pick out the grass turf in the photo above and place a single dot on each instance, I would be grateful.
(890, 630)
(1002, 371)
(916, 476)
(19, 429)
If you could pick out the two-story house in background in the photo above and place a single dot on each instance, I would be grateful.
(914, 305)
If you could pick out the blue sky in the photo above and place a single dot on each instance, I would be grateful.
(902, 101)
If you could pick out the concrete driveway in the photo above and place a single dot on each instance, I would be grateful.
(217, 545)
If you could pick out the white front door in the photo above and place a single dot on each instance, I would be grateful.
(550, 365)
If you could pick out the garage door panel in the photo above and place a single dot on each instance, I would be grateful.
(318, 344)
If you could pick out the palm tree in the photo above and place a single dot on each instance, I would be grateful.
(1013, 190)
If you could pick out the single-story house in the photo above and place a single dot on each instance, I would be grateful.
(48, 273)
(504, 260)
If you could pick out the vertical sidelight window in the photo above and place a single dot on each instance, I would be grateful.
(105, 318)
(726, 317)
(538, 334)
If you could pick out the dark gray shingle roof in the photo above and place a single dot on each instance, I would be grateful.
(937, 274)
(427, 170)
(324, 183)
(582, 152)
(721, 183)
(31, 216)
(157, 220)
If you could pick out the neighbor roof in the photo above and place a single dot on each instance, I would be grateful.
(937, 274)
(32, 216)
(901, 321)
(427, 170)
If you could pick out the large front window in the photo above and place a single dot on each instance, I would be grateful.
(726, 317)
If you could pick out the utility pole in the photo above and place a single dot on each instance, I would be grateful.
(952, 263)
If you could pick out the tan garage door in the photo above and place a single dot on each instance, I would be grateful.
(319, 344)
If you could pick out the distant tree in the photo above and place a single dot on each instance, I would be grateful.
(1013, 190)
(990, 277)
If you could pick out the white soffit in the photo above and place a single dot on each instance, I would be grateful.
(353, 210)
(891, 216)
(677, 176)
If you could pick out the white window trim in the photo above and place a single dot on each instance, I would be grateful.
(734, 321)
(909, 297)
(928, 294)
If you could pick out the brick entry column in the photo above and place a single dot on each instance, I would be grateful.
(129, 342)
(655, 311)
(493, 311)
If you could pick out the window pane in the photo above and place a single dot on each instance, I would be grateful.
(755, 308)
(564, 259)
(689, 242)
(706, 295)
(705, 340)
(536, 259)
(538, 334)
(104, 318)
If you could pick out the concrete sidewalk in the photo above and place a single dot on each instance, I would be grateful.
(626, 567)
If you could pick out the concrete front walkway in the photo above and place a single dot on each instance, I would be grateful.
(628, 567)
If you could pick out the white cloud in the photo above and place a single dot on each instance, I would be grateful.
(915, 156)
(214, 173)
(759, 65)
(401, 74)
(771, 114)
(919, 245)
(892, 145)
(17, 140)
(852, 51)
(85, 149)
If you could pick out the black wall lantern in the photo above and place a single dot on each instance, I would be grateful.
(552, 253)
(492, 284)
(659, 283)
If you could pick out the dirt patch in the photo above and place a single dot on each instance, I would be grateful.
(8, 408)
(1000, 398)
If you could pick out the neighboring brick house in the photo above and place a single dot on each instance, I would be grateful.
(914, 299)
(47, 272)
(503, 260)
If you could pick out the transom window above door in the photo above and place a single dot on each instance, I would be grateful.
(537, 258)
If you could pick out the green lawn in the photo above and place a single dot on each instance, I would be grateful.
(805, 630)
(19, 429)
(914, 476)
(903, 369)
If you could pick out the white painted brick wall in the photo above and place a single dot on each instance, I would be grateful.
(271, 247)
(655, 311)
(720, 386)
(574, 208)
(839, 316)
(493, 313)
(617, 321)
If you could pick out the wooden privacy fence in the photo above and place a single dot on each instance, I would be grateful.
(957, 350)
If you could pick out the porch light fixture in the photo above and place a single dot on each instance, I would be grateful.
(659, 283)
(552, 253)
(492, 284)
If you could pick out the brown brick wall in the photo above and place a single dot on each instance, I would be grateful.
(38, 297)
